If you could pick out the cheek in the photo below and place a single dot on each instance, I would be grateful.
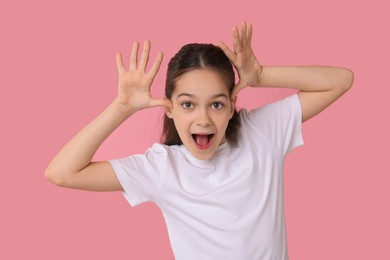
(181, 121)
(178, 116)
(223, 122)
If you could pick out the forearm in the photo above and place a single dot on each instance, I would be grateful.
(318, 86)
(306, 78)
(79, 151)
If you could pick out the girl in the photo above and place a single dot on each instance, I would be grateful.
(218, 176)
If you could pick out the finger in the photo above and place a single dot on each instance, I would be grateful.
(243, 36)
(119, 62)
(236, 40)
(145, 56)
(134, 56)
(229, 53)
(156, 65)
(249, 33)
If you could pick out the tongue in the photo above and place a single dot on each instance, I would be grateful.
(202, 139)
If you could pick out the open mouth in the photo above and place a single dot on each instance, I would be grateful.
(202, 141)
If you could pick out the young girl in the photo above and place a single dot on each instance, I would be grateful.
(218, 176)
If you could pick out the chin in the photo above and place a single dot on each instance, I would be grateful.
(203, 157)
(206, 155)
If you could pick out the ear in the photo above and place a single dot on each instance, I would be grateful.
(168, 112)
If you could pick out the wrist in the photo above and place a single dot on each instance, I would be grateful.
(124, 109)
(260, 76)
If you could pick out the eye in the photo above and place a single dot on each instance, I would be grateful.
(217, 105)
(187, 105)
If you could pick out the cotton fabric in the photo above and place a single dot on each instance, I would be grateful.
(230, 206)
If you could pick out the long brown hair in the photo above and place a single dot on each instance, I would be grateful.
(198, 56)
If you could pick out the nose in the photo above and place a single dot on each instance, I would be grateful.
(203, 118)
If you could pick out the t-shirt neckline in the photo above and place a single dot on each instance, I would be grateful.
(220, 150)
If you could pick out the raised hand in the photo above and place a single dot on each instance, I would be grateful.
(134, 83)
(244, 60)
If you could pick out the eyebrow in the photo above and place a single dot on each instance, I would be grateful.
(214, 96)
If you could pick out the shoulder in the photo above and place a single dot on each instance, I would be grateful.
(278, 110)
(163, 149)
(277, 123)
(161, 154)
(287, 103)
(155, 154)
(156, 158)
(158, 148)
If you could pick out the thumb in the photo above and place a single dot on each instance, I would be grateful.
(237, 88)
(165, 102)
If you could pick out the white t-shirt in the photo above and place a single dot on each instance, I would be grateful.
(228, 207)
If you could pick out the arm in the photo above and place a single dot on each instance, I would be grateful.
(72, 166)
(319, 86)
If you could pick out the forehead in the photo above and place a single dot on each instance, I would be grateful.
(201, 82)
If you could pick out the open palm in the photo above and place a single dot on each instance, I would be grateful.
(244, 60)
(134, 84)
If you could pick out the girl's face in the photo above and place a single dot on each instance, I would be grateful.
(201, 111)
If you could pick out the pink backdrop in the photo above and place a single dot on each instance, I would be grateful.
(58, 72)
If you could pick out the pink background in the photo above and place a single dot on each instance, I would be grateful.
(58, 72)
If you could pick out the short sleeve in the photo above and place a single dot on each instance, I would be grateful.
(280, 122)
(140, 175)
